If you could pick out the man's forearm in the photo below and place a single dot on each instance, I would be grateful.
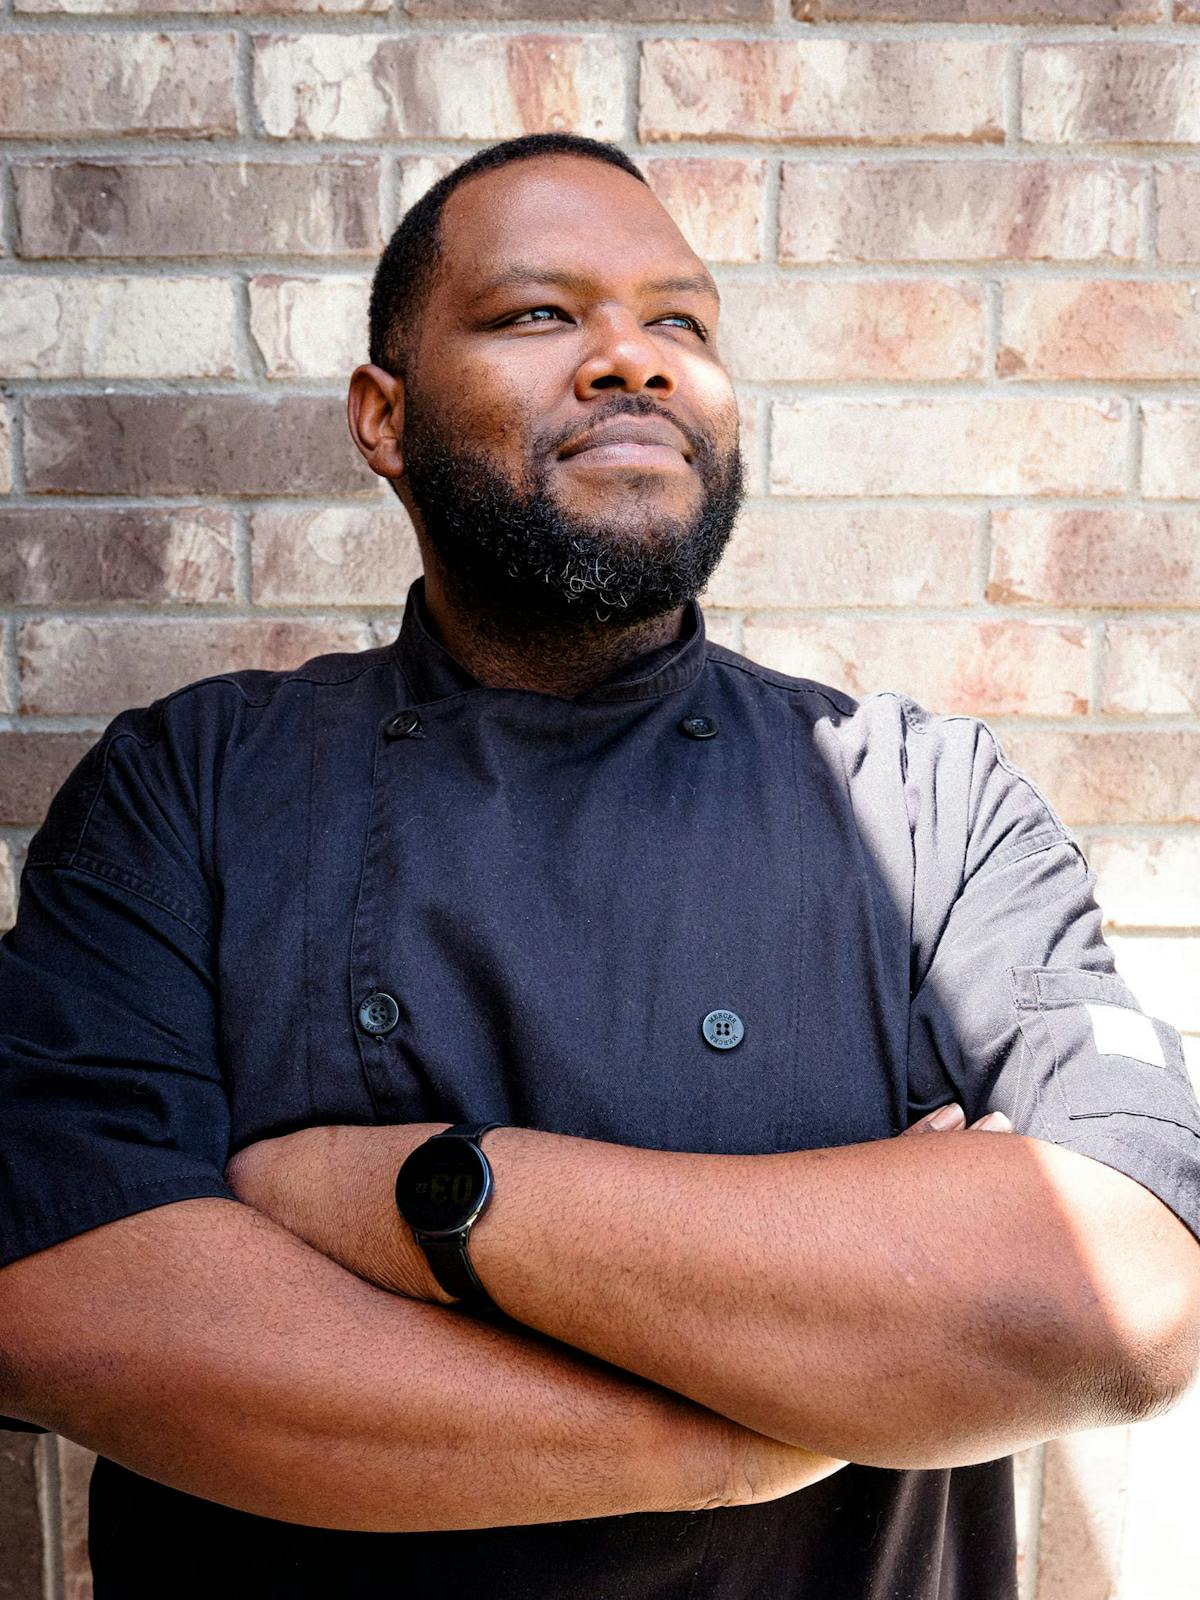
(205, 1347)
(887, 1303)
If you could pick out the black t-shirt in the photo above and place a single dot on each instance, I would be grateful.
(556, 892)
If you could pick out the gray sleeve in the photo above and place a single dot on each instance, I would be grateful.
(1016, 1002)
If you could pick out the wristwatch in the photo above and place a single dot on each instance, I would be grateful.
(442, 1190)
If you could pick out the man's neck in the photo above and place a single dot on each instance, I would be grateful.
(504, 653)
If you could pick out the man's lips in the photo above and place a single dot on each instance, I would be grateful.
(645, 442)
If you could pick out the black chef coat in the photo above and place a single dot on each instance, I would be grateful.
(555, 892)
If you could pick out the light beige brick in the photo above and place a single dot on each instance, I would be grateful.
(1101, 777)
(717, 204)
(1083, 1510)
(1170, 449)
(339, 556)
(6, 702)
(419, 173)
(1152, 668)
(953, 446)
(8, 886)
(5, 449)
(1159, 1543)
(808, 330)
(1110, 330)
(1164, 974)
(723, 628)
(70, 85)
(1058, 13)
(75, 1463)
(430, 86)
(1125, 93)
(1093, 557)
(53, 555)
(818, 91)
(84, 668)
(219, 8)
(1177, 204)
(1147, 883)
(309, 327)
(115, 327)
(800, 555)
(983, 669)
(751, 436)
(961, 210)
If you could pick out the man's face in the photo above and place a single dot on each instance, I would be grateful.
(570, 436)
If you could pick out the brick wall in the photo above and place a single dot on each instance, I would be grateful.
(959, 242)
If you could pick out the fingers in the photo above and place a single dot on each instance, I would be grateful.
(951, 1118)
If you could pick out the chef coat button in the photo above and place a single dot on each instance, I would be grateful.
(723, 1029)
(403, 725)
(698, 727)
(378, 1013)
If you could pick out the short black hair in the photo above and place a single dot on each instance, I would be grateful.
(407, 266)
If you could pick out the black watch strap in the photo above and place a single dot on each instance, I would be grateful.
(448, 1258)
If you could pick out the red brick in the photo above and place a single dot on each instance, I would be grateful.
(431, 86)
(191, 444)
(59, 555)
(818, 91)
(818, 331)
(980, 668)
(172, 208)
(72, 85)
(595, 10)
(223, 8)
(1112, 329)
(32, 767)
(1152, 669)
(1127, 93)
(87, 668)
(799, 555)
(717, 204)
(961, 210)
(337, 556)
(1126, 775)
(1090, 557)
(22, 1558)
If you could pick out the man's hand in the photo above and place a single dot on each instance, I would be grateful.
(333, 1188)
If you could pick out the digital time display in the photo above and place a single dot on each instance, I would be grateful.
(442, 1186)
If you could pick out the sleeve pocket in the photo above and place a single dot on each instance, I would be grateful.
(1090, 1051)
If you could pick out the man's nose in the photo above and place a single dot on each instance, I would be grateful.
(622, 354)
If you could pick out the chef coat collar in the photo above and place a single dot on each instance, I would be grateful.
(432, 672)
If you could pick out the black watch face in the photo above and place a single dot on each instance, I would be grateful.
(443, 1186)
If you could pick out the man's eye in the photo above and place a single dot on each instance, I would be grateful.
(693, 323)
(536, 314)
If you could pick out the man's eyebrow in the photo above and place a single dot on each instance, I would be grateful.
(514, 277)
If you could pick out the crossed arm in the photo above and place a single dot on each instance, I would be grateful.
(905, 1303)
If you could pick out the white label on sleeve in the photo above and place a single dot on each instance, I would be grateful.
(1119, 1031)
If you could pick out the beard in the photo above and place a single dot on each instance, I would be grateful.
(512, 550)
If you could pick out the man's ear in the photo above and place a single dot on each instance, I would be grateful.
(375, 412)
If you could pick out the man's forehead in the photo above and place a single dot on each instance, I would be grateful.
(562, 218)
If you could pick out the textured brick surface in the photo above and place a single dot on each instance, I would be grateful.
(309, 327)
(335, 557)
(784, 555)
(75, 1465)
(8, 911)
(1170, 449)
(961, 210)
(1083, 1512)
(717, 203)
(1146, 883)
(22, 1564)
(1177, 202)
(115, 327)
(1152, 669)
(73, 84)
(1162, 974)
(822, 90)
(1122, 93)
(1098, 776)
(1055, 12)
(197, 208)
(32, 765)
(219, 8)
(55, 555)
(808, 330)
(985, 669)
(983, 446)
(1112, 329)
(5, 449)
(732, 11)
(191, 444)
(364, 86)
(1106, 557)
(101, 667)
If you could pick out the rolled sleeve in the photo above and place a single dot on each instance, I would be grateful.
(1017, 1004)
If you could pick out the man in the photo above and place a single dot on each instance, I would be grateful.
(697, 938)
